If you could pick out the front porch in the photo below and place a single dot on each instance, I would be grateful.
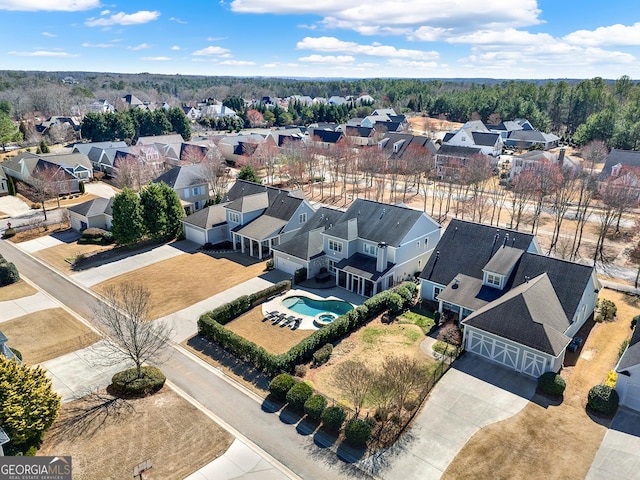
(257, 248)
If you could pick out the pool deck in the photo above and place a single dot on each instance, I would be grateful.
(275, 305)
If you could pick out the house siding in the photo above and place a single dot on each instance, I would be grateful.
(586, 306)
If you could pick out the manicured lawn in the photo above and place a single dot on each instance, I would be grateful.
(271, 337)
(108, 437)
(47, 334)
(181, 281)
(60, 256)
(554, 441)
(16, 290)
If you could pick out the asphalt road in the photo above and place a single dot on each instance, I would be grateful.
(270, 431)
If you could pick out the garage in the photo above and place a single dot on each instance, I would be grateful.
(194, 234)
(534, 365)
(286, 265)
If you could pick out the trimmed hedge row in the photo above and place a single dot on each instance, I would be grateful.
(211, 326)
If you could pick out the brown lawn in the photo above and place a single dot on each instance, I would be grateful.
(16, 290)
(60, 256)
(271, 337)
(554, 441)
(47, 334)
(181, 281)
(107, 437)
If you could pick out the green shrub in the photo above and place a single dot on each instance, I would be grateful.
(603, 399)
(280, 385)
(127, 383)
(298, 395)
(395, 303)
(93, 232)
(81, 187)
(270, 264)
(357, 432)
(9, 232)
(300, 275)
(634, 321)
(16, 352)
(8, 274)
(443, 348)
(322, 355)
(606, 310)
(314, 406)
(623, 346)
(333, 418)
(552, 384)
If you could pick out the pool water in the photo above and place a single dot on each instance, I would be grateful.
(312, 307)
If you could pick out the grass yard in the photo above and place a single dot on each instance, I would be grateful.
(59, 256)
(554, 441)
(16, 290)
(107, 437)
(47, 334)
(181, 281)
(271, 337)
(38, 232)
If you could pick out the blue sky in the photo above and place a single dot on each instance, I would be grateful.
(326, 38)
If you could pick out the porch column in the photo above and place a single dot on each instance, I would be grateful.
(440, 307)
(242, 249)
(260, 250)
(233, 240)
(460, 314)
(251, 247)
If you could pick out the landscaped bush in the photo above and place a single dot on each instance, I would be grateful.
(300, 370)
(270, 264)
(298, 395)
(606, 310)
(96, 236)
(8, 274)
(612, 378)
(93, 232)
(450, 334)
(323, 355)
(300, 275)
(395, 304)
(603, 399)
(333, 418)
(314, 406)
(9, 232)
(280, 385)
(357, 432)
(127, 383)
(16, 352)
(552, 384)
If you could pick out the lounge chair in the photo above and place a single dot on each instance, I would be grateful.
(288, 321)
(278, 318)
(269, 316)
(296, 323)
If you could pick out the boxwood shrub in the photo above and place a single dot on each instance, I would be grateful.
(8, 274)
(127, 383)
(333, 418)
(298, 395)
(357, 432)
(280, 385)
(314, 406)
(603, 399)
(322, 355)
(552, 384)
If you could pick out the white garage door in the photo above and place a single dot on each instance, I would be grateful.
(285, 265)
(632, 396)
(534, 365)
(194, 235)
(493, 349)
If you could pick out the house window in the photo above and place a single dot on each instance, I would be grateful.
(186, 193)
(335, 246)
(436, 291)
(426, 242)
(234, 217)
(302, 218)
(370, 249)
(495, 280)
(196, 191)
(332, 266)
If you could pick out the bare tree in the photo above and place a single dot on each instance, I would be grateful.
(129, 333)
(594, 152)
(587, 189)
(48, 181)
(564, 192)
(407, 375)
(354, 378)
(523, 190)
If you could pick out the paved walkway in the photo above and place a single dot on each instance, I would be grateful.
(40, 243)
(23, 306)
(474, 393)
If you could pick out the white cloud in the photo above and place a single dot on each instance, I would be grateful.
(510, 36)
(412, 64)
(48, 34)
(215, 39)
(98, 45)
(43, 53)
(334, 45)
(175, 47)
(240, 63)
(611, 35)
(142, 46)
(48, 5)
(177, 20)
(280, 65)
(212, 50)
(327, 59)
(121, 18)
(156, 59)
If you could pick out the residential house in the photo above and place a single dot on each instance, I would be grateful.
(394, 145)
(217, 111)
(100, 154)
(522, 139)
(475, 135)
(358, 135)
(147, 155)
(68, 169)
(191, 113)
(517, 307)
(282, 136)
(71, 124)
(628, 370)
(191, 184)
(621, 170)
(131, 101)
(537, 159)
(369, 248)
(301, 99)
(4, 186)
(365, 100)
(338, 100)
(449, 159)
(256, 218)
(325, 138)
(504, 129)
(385, 122)
(100, 106)
(233, 147)
(95, 213)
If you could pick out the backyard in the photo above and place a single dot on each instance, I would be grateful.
(545, 434)
(184, 280)
(107, 437)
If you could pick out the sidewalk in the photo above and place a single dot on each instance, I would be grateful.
(23, 306)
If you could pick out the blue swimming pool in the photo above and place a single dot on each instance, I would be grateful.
(311, 307)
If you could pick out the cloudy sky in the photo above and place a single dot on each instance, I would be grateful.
(326, 38)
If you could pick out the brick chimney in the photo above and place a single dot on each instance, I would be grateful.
(561, 157)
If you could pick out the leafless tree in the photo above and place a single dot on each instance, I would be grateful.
(354, 379)
(138, 168)
(523, 190)
(48, 181)
(129, 333)
(407, 375)
(594, 152)
(497, 198)
(267, 155)
(564, 192)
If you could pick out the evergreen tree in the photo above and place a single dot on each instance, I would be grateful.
(11, 186)
(128, 226)
(179, 122)
(8, 131)
(43, 147)
(249, 174)
(28, 404)
(174, 211)
(154, 210)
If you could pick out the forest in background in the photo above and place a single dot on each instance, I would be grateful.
(576, 110)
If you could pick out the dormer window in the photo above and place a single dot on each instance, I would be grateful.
(493, 280)
(234, 217)
(615, 170)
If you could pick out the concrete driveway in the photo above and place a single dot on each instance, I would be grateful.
(100, 189)
(13, 206)
(474, 393)
(619, 454)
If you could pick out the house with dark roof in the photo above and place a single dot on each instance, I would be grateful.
(256, 218)
(531, 138)
(628, 370)
(95, 213)
(233, 147)
(395, 145)
(191, 184)
(68, 169)
(101, 154)
(475, 135)
(621, 171)
(517, 307)
(6, 352)
(359, 135)
(450, 158)
(367, 249)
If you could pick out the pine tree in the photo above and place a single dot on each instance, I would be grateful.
(174, 211)
(154, 210)
(128, 226)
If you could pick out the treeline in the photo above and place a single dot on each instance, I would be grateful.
(131, 124)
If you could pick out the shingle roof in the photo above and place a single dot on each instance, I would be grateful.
(262, 227)
(183, 176)
(629, 158)
(533, 136)
(469, 292)
(631, 356)
(363, 266)
(208, 217)
(529, 314)
(91, 208)
(164, 139)
(327, 136)
(486, 139)
(250, 203)
(457, 151)
(504, 260)
(86, 147)
(358, 131)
